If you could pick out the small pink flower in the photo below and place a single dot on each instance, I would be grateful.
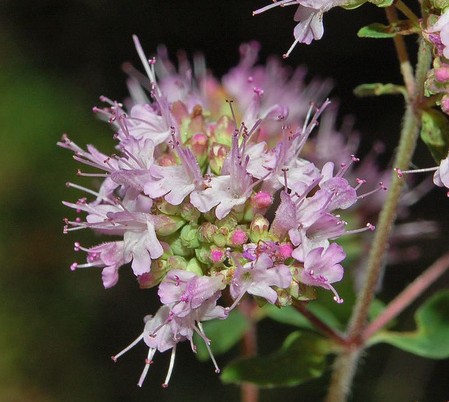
(322, 268)
(257, 277)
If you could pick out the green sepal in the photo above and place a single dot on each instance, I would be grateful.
(352, 4)
(435, 133)
(224, 334)
(381, 31)
(377, 89)
(430, 339)
(382, 3)
(301, 358)
(439, 4)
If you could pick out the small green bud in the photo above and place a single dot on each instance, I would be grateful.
(220, 239)
(167, 225)
(224, 129)
(217, 156)
(179, 249)
(189, 236)
(189, 212)
(194, 266)
(206, 232)
(202, 254)
(439, 4)
(167, 208)
(176, 262)
(259, 228)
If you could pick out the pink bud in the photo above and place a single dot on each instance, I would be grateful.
(261, 200)
(239, 237)
(442, 73)
(216, 255)
(198, 144)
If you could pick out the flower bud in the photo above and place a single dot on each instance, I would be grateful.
(189, 236)
(189, 212)
(194, 266)
(259, 228)
(206, 232)
(167, 225)
(442, 73)
(238, 237)
(217, 255)
(167, 208)
(217, 156)
(223, 131)
(261, 200)
(199, 146)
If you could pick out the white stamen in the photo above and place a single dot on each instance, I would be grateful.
(170, 367)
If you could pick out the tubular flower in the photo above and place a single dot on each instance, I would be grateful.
(189, 195)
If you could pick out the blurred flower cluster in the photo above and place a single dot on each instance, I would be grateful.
(209, 197)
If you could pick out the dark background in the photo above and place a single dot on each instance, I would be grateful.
(57, 328)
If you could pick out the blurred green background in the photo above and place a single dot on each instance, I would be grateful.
(58, 328)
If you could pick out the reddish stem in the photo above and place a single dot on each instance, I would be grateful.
(320, 325)
(408, 295)
(249, 392)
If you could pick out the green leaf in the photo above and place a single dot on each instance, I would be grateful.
(224, 334)
(381, 31)
(302, 357)
(435, 133)
(431, 338)
(289, 315)
(377, 88)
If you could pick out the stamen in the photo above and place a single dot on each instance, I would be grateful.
(146, 64)
(217, 369)
(275, 3)
(368, 226)
(130, 346)
(82, 174)
(170, 367)
(337, 297)
(381, 187)
(87, 190)
(400, 172)
(229, 102)
(148, 362)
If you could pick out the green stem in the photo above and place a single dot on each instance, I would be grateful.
(346, 363)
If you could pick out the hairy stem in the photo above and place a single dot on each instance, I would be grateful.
(346, 363)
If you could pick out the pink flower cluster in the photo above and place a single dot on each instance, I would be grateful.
(190, 197)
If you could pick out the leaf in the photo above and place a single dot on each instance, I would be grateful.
(430, 339)
(302, 357)
(435, 133)
(224, 334)
(288, 315)
(381, 31)
(377, 88)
